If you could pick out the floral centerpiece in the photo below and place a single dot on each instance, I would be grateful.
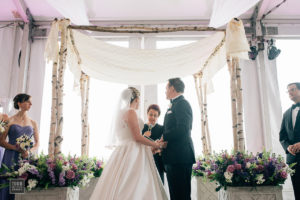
(244, 169)
(44, 172)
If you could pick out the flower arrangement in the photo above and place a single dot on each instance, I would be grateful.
(24, 142)
(244, 169)
(201, 167)
(44, 172)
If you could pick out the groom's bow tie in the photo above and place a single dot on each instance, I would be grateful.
(295, 106)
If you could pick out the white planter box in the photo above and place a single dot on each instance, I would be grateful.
(58, 193)
(250, 193)
(86, 192)
(206, 190)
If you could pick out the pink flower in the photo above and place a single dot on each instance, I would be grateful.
(74, 167)
(52, 166)
(70, 174)
(230, 168)
(238, 166)
(283, 174)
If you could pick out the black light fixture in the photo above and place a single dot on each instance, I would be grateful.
(273, 52)
(252, 53)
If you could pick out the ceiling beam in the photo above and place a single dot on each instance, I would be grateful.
(21, 9)
(263, 8)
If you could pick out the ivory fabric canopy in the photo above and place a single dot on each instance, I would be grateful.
(108, 62)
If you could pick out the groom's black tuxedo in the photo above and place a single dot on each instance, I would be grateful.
(290, 135)
(179, 156)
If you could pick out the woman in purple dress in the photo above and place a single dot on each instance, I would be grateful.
(19, 124)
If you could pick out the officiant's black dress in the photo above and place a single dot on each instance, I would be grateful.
(156, 133)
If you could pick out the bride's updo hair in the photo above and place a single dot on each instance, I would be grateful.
(135, 94)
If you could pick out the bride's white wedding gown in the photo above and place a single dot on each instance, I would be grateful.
(130, 173)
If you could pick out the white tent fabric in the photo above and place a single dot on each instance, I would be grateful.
(76, 13)
(225, 10)
(134, 66)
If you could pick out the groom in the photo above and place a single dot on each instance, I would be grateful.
(178, 155)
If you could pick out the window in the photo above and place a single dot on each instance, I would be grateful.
(288, 69)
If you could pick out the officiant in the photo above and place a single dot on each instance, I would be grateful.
(154, 131)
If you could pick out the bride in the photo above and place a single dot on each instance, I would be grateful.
(130, 173)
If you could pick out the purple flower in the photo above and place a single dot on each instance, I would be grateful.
(230, 168)
(61, 180)
(52, 176)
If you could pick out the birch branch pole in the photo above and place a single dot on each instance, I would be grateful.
(84, 88)
(236, 104)
(205, 137)
(60, 86)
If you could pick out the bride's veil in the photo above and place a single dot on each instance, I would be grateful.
(117, 121)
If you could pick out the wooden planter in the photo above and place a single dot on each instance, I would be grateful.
(58, 193)
(86, 192)
(249, 193)
(206, 190)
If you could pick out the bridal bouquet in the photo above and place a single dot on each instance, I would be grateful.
(24, 142)
(244, 169)
(3, 123)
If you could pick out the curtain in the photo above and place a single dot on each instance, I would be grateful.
(36, 74)
(10, 38)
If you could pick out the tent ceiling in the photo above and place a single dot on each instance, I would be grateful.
(122, 10)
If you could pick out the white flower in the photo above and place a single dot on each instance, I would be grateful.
(228, 176)
(248, 164)
(31, 184)
(2, 129)
(260, 179)
(66, 167)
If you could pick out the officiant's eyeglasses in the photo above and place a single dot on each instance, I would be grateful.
(291, 90)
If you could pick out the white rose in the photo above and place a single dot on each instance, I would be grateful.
(248, 165)
(31, 184)
(260, 179)
(228, 176)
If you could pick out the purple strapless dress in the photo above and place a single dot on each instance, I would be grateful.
(11, 157)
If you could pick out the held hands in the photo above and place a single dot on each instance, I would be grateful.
(24, 153)
(295, 148)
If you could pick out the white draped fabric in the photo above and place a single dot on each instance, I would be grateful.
(141, 66)
(224, 10)
(135, 66)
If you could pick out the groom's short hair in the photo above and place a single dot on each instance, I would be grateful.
(177, 83)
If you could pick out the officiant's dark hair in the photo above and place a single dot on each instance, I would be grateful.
(20, 98)
(154, 107)
(177, 83)
(296, 83)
